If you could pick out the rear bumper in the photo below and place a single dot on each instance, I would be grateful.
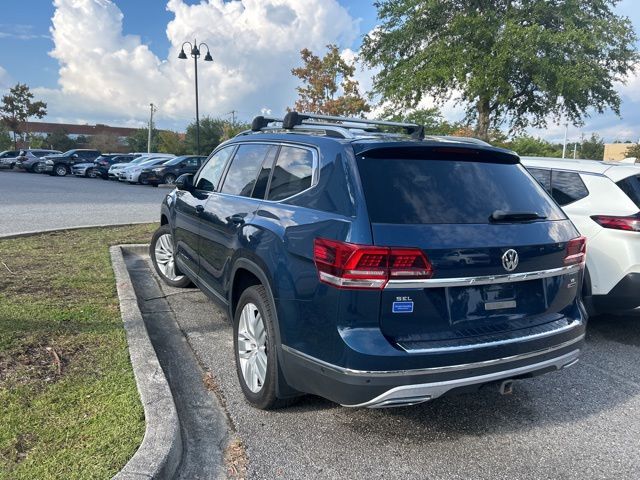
(361, 388)
(625, 296)
(357, 388)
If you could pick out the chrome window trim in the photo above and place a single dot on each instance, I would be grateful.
(429, 370)
(315, 172)
(481, 280)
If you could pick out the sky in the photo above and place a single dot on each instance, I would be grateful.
(105, 60)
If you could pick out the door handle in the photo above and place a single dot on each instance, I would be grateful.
(238, 219)
(199, 208)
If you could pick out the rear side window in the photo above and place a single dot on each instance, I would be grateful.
(292, 174)
(209, 175)
(407, 191)
(244, 168)
(631, 186)
(567, 187)
(542, 176)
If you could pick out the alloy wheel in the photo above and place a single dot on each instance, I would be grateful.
(252, 347)
(164, 257)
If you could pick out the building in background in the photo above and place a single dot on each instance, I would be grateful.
(615, 152)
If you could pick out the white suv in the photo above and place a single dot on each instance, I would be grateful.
(603, 201)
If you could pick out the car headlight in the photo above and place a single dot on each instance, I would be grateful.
(158, 170)
(49, 162)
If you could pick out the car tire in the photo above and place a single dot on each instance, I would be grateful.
(60, 170)
(91, 173)
(254, 347)
(161, 252)
(169, 179)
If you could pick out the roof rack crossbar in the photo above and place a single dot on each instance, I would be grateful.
(261, 122)
(294, 118)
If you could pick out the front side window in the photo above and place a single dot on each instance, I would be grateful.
(209, 176)
(244, 168)
(292, 174)
(191, 162)
(567, 187)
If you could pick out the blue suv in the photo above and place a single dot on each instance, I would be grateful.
(375, 268)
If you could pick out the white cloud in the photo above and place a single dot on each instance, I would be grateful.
(5, 79)
(255, 43)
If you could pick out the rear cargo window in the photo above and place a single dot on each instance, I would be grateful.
(449, 191)
(567, 187)
(631, 186)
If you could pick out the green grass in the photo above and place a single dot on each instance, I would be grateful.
(77, 415)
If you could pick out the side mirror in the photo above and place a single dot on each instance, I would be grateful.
(185, 182)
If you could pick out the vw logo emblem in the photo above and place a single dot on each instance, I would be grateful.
(510, 260)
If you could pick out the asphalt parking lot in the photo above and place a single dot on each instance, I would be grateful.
(579, 423)
(30, 202)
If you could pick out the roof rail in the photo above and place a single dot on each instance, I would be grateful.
(293, 119)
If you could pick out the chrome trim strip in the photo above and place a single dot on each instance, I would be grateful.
(484, 280)
(463, 348)
(428, 370)
(429, 391)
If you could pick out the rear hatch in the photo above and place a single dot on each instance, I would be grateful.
(482, 223)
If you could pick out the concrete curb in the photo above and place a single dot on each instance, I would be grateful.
(66, 229)
(160, 453)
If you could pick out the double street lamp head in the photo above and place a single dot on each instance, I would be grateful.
(195, 51)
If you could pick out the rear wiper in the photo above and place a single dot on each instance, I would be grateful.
(502, 216)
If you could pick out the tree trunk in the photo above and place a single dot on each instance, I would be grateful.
(484, 120)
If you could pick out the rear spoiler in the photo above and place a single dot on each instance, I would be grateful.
(438, 151)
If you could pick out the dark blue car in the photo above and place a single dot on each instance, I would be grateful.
(375, 268)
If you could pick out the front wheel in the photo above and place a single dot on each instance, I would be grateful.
(162, 256)
(254, 346)
(91, 173)
(169, 179)
(60, 170)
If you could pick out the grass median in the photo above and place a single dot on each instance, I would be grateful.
(69, 407)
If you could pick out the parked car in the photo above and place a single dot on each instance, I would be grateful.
(603, 201)
(60, 165)
(169, 171)
(87, 169)
(114, 170)
(31, 160)
(103, 163)
(325, 245)
(132, 173)
(8, 158)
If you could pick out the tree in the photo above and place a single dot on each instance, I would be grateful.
(172, 142)
(59, 140)
(5, 139)
(511, 61)
(211, 134)
(430, 118)
(104, 142)
(532, 146)
(592, 148)
(328, 86)
(17, 107)
(137, 142)
(634, 151)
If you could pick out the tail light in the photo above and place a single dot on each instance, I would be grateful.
(629, 224)
(576, 251)
(348, 265)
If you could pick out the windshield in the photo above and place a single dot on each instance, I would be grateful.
(410, 191)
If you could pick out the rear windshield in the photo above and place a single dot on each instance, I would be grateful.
(631, 186)
(449, 191)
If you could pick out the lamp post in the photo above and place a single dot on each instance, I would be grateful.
(195, 53)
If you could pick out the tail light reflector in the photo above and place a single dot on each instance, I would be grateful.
(629, 224)
(576, 251)
(349, 265)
